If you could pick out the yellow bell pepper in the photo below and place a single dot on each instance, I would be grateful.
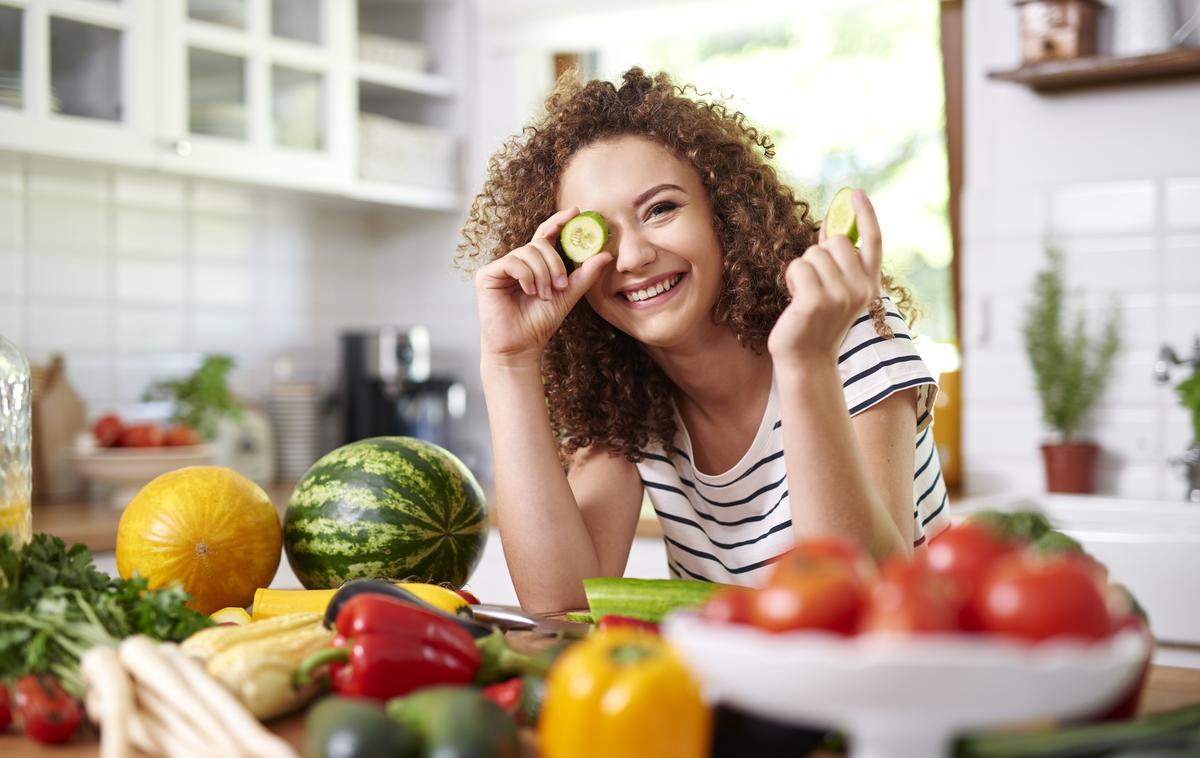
(623, 693)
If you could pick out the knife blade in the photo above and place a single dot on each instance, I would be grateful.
(511, 617)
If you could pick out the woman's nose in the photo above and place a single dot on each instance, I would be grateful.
(634, 252)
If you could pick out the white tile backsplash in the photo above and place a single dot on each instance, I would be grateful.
(1183, 204)
(222, 237)
(12, 174)
(12, 219)
(68, 225)
(144, 281)
(12, 272)
(139, 189)
(70, 277)
(225, 330)
(150, 232)
(1111, 264)
(66, 179)
(222, 285)
(149, 328)
(64, 327)
(1181, 325)
(1103, 208)
(1182, 263)
(12, 322)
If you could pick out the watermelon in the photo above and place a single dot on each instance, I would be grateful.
(394, 508)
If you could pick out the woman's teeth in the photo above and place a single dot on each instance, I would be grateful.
(655, 291)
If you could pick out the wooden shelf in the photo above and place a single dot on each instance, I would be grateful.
(1058, 76)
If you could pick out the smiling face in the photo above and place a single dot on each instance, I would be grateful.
(667, 275)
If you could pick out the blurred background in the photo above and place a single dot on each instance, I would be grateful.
(281, 183)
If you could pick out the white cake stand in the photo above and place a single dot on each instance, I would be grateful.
(902, 696)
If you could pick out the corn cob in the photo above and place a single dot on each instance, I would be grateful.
(260, 672)
(206, 643)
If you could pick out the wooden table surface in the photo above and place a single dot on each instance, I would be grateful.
(1167, 688)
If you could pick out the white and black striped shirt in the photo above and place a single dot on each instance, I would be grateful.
(730, 527)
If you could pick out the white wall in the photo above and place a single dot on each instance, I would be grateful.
(1113, 177)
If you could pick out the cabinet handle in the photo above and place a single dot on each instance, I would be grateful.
(182, 147)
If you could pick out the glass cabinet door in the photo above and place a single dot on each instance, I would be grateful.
(252, 98)
(76, 78)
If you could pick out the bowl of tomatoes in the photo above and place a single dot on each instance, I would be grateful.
(978, 630)
(124, 456)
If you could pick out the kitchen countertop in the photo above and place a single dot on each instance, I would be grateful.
(1167, 688)
(95, 523)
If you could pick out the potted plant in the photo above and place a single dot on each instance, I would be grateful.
(1071, 369)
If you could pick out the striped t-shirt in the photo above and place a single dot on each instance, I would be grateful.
(730, 527)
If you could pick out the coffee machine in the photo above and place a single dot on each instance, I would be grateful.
(388, 388)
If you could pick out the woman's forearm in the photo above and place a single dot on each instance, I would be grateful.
(546, 543)
(829, 487)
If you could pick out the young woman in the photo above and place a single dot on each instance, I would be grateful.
(746, 371)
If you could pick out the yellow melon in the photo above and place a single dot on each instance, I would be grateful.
(209, 528)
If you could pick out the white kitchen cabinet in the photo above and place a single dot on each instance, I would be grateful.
(356, 98)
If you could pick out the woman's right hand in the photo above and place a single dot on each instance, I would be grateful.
(524, 296)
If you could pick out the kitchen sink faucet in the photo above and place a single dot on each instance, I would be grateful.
(1189, 462)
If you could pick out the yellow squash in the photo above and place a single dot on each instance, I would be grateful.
(209, 528)
(623, 693)
(269, 603)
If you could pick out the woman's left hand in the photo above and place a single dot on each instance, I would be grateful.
(831, 284)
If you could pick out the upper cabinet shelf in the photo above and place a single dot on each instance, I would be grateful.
(362, 99)
(1060, 76)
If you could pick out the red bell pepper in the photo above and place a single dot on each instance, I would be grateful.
(385, 648)
(48, 712)
(506, 694)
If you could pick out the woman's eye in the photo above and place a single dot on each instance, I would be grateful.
(665, 206)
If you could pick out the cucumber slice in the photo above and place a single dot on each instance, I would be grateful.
(840, 218)
(584, 236)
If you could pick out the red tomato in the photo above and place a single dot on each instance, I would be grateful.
(818, 550)
(729, 606)
(141, 435)
(181, 434)
(827, 596)
(965, 553)
(1036, 599)
(613, 621)
(908, 597)
(48, 714)
(107, 430)
(5, 709)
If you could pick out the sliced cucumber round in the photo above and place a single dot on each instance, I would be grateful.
(840, 219)
(584, 236)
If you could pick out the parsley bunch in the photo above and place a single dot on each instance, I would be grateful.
(55, 604)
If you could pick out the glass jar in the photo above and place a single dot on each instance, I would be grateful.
(16, 474)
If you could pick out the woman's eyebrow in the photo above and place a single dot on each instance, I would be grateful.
(652, 192)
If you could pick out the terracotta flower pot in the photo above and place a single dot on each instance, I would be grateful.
(1070, 466)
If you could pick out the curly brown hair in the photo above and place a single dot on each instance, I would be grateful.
(601, 386)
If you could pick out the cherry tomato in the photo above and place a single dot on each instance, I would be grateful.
(141, 435)
(965, 553)
(48, 713)
(829, 595)
(908, 597)
(5, 709)
(180, 435)
(728, 606)
(107, 430)
(1036, 599)
(506, 694)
